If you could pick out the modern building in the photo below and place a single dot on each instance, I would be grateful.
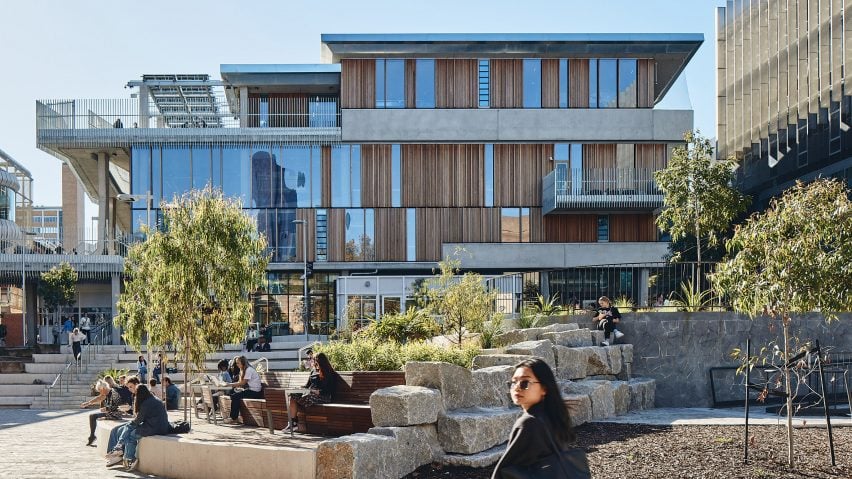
(783, 83)
(47, 225)
(530, 151)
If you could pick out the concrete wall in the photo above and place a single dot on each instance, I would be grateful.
(515, 125)
(524, 256)
(677, 349)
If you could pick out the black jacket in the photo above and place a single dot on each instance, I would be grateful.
(151, 420)
(327, 387)
(528, 441)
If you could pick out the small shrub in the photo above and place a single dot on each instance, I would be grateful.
(368, 354)
(113, 373)
(490, 330)
(691, 299)
(624, 303)
(412, 325)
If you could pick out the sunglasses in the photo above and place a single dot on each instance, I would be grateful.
(524, 384)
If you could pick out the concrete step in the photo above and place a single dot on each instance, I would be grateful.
(25, 378)
(16, 401)
(21, 389)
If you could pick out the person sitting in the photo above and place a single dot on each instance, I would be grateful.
(161, 366)
(127, 389)
(224, 377)
(322, 385)
(109, 401)
(172, 393)
(249, 386)
(262, 346)
(151, 420)
(251, 337)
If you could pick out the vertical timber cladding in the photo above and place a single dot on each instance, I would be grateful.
(390, 234)
(578, 83)
(632, 227)
(436, 226)
(376, 176)
(456, 83)
(442, 175)
(309, 215)
(336, 234)
(507, 83)
(358, 83)
(550, 83)
(518, 172)
(570, 228)
(644, 83)
(326, 175)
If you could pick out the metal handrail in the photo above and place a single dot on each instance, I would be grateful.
(97, 338)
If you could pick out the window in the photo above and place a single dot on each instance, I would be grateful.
(236, 178)
(834, 128)
(424, 83)
(484, 83)
(410, 235)
(390, 83)
(321, 235)
(627, 83)
(525, 225)
(532, 83)
(322, 111)
(576, 168)
(593, 83)
(359, 237)
(291, 177)
(396, 191)
(141, 173)
(200, 166)
(346, 176)
(562, 161)
(510, 225)
(177, 171)
(603, 228)
(263, 111)
(563, 83)
(316, 176)
(607, 83)
(489, 175)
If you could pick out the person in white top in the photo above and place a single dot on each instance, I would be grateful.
(86, 327)
(75, 338)
(250, 385)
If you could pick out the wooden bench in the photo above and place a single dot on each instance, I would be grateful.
(350, 411)
(256, 412)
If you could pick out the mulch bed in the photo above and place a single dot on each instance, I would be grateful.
(641, 451)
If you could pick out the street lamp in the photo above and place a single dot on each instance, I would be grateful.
(149, 198)
(306, 318)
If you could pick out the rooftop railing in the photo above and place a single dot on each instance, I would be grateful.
(600, 188)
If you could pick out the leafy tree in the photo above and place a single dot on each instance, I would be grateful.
(795, 257)
(699, 198)
(189, 285)
(464, 303)
(58, 287)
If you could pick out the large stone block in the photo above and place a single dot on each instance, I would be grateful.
(475, 430)
(358, 456)
(579, 408)
(642, 393)
(490, 386)
(621, 397)
(600, 394)
(415, 446)
(558, 327)
(480, 459)
(571, 363)
(542, 349)
(597, 360)
(405, 406)
(489, 360)
(598, 337)
(614, 359)
(626, 353)
(518, 336)
(452, 381)
(573, 338)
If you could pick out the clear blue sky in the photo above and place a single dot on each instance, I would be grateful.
(66, 49)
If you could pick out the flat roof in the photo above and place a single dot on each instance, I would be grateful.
(310, 76)
(509, 37)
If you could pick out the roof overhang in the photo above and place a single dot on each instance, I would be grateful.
(672, 51)
(283, 78)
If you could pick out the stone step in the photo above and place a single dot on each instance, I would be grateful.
(274, 354)
(485, 458)
(473, 430)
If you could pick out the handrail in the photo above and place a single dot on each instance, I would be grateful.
(98, 336)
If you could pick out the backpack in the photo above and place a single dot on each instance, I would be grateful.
(179, 427)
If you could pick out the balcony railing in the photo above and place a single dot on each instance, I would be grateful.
(600, 189)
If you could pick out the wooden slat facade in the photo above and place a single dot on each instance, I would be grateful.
(436, 226)
(645, 83)
(390, 234)
(410, 83)
(550, 83)
(507, 83)
(651, 157)
(308, 215)
(633, 227)
(570, 228)
(578, 83)
(326, 176)
(456, 83)
(358, 83)
(336, 234)
(442, 175)
(376, 176)
(518, 171)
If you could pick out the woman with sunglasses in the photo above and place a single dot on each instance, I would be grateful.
(543, 425)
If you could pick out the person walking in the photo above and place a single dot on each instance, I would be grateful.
(608, 318)
(543, 430)
(86, 327)
(75, 339)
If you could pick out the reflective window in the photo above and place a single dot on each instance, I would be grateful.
(396, 189)
(576, 168)
(380, 82)
(390, 83)
(140, 180)
(236, 178)
(489, 175)
(7, 203)
(346, 176)
(265, 175)
(593, 83)
(176, 171)
(359, 237)
(355, 160)
(563, 83)
(607, 83)
(294, 173)
(201, 166)
(627, 83)
(322, 111)
(532, 83)
(603, 228)
(264, 111)
(316, 176)
(425, 83)
(510, 225)
(410, 235)
(321, 235)
(525, 225)
(484, 83)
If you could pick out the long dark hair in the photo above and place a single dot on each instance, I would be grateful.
(560, 421)
(142, 393)
(324, 366)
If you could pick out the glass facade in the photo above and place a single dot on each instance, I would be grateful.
(396, 180)
(607, 83)
(532, 83)
(360, 235)
(484, 77)
(489, 175)
(425, 83)
(563, 83)
(410, 235)
(390, 83)
(346, 176)
(627, 83)
(279, 304)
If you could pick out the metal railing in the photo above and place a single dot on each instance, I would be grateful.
(74, 367)
(595, 188)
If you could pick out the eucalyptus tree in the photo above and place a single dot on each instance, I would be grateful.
(58, 287)
(698, 195)
(795, 257)
(188, 286)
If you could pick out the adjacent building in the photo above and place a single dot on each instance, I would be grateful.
(529, 151)
(783, 83)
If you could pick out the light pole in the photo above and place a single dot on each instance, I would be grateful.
(149, 198)
(306, 318)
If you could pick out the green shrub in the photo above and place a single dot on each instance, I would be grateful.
(412, 325)
(369, 354)
(490, 330)
(113, 373)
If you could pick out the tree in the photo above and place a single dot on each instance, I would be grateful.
(189, 285)
(795, 257)
(58, 287)
(463, 302)
(698, 196)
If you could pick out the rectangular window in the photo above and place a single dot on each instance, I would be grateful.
(321, 235)
(263, 111)
(360, 234)
(593, 83)
(562, 161)
(177, 171)
(627, 83)
(563, 83)
(532, 83)
(607, 83)
(425, 83)
(390, 83)
(200, 166)
(322, 111)
(141, 173)
(396, 191)
(355, 172)
(236, 177)
(510, 225)
(346, 176)
(576, 168)
(380, 82)
(525, 225)
(263, 162)
(410, 235)
(484, 83)
(489, 175)
(294, 189)
(316, 176)
(603, 228)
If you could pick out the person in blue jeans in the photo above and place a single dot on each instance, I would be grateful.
(151, 420)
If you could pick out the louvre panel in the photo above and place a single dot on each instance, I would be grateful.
(358, 83)
(518, 171)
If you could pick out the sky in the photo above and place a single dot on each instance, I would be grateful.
(91, 49)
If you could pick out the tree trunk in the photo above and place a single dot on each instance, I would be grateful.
(185, 381)
(698, 253)
(785, 321)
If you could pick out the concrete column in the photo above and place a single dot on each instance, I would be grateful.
(115, 283)
(73, 212)
(243, 107)
(104, 224)
(642, 301)
(143, 106)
